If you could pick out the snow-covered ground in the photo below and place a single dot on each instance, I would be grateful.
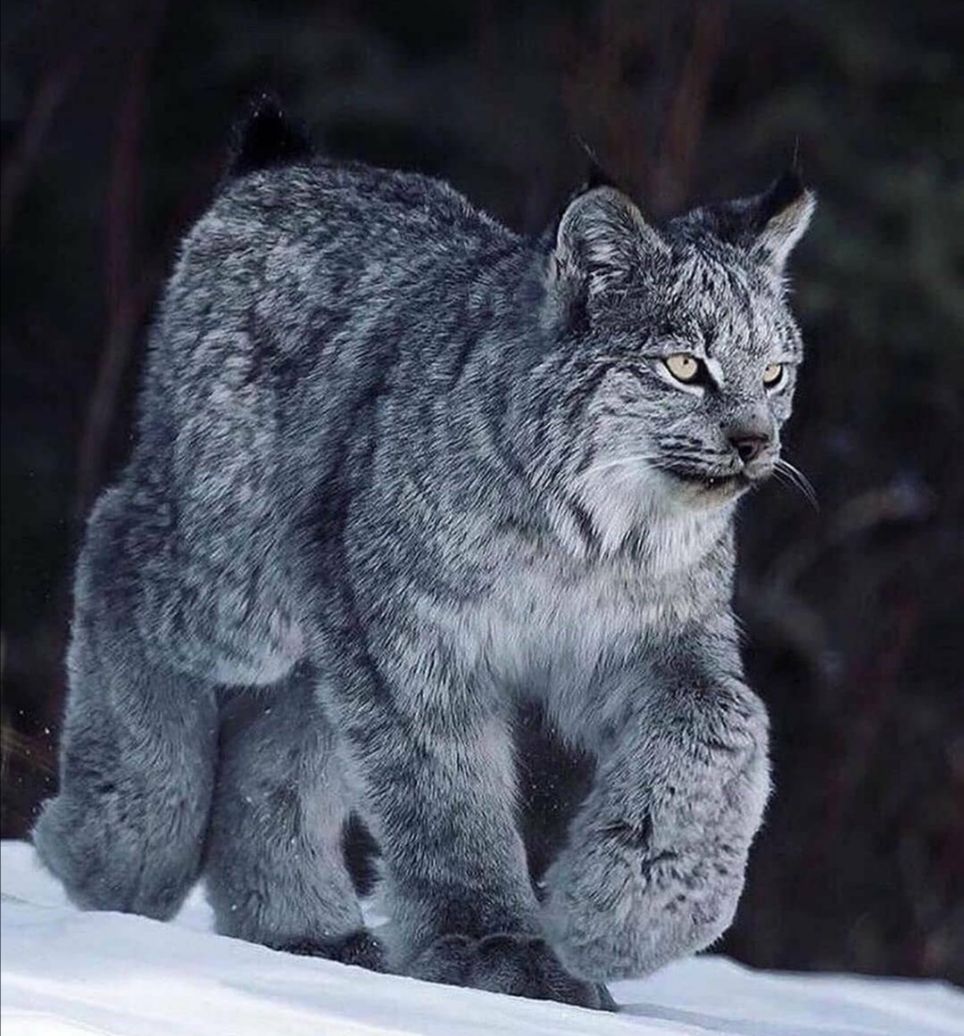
(68, 972)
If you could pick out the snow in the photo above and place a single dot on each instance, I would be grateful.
(67, 973)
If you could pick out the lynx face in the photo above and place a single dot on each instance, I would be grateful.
(687, 357)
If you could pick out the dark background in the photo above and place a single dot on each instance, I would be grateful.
(115, 119)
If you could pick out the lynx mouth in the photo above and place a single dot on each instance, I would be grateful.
(704, 480)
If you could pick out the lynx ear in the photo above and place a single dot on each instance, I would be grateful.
(767, 225)
(783, 214)
(600, 238)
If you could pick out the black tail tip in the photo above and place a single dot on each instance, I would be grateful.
(265, 137)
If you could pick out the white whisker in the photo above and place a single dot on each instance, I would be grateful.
(793, 476)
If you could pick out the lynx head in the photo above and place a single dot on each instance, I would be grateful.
(679, 349)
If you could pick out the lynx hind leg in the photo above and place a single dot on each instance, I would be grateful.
(275, 866)
(125, 831)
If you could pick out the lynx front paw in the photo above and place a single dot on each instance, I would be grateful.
(620, 908)
(517, 965)
(359, 948)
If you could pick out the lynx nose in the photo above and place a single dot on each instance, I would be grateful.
(749, 445)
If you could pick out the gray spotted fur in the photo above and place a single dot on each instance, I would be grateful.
(397, 471)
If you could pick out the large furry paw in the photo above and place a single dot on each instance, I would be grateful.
(359, 948)
(618, 907)
(518, 965)
(104, 864)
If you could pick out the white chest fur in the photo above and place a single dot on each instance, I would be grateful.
(550, 621)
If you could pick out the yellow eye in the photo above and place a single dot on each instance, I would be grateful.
(772, 374)
(683, 367)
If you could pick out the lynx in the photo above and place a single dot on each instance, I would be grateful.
(399, 473)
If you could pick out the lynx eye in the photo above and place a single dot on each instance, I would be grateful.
(683, 367)
(773, 374)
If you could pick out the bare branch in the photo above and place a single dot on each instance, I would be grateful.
(684, 126)
(127, 294)
(26, 151)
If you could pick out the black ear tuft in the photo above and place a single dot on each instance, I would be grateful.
(768, 225)
(785, 191)
(267, 138)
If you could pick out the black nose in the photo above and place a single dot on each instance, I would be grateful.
(749, 447)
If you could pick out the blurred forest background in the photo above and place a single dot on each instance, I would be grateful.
(115, 121)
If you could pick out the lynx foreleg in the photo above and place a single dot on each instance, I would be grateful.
(656, 858)
(431, 761)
